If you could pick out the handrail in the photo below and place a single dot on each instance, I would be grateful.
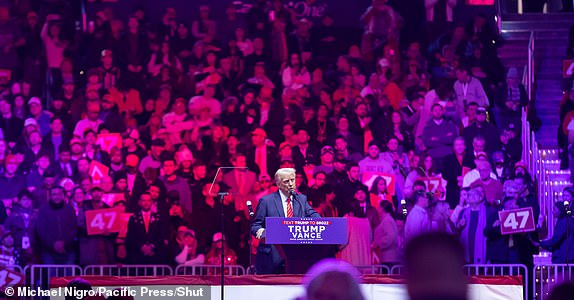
(531, 56)
(498, 17)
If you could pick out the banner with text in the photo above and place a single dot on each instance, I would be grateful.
(370, 177)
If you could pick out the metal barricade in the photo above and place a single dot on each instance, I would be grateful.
(486, 270)
(202, 270)
(546, 276)
(38, 276)
(500, 270)
(250, 270)
(128, 270)
(374, 270)
(398, 270)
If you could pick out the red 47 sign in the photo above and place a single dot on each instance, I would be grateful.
(101, 221)
(516, 220)
(10, 278)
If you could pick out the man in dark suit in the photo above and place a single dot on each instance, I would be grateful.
(305, 152)
(56, 137)
(452, 172)
(65, 166)
(136, 181)
(278, 204)
(148, 235)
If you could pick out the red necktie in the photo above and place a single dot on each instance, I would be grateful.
(146, 222)
(289, 208)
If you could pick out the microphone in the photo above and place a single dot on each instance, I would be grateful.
(250, 208)
(293, 193)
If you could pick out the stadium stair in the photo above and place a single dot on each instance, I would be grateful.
(551, 37)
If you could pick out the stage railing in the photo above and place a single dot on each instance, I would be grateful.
(234, 270)
(486, 270)
(547, 276)
(38, 276)
(500, 270)
(398, 270)
(374, 270)
(128, 270)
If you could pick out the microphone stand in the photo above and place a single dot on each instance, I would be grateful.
(295, 196)
(222, 226)
(251, 216)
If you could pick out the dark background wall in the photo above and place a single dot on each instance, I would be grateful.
(346, 12)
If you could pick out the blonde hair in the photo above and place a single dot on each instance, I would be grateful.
(283, 172)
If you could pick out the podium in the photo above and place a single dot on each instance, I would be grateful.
(302, 242)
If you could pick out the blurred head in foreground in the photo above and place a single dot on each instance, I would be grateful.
(563, 291)
(78, 284)
(332, 279)
(434, 265)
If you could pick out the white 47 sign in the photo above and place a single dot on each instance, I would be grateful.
(516, 220)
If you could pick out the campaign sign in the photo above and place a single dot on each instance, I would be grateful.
(107, 141)
(370, 177)
(9, 278)
(98, 171)
(516, 220)
(111, 198)
(436, 185)
(101, 221)
(324, 231)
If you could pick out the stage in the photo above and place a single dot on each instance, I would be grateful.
(283, 287)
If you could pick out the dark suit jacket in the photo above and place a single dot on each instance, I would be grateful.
(157, 235)
(279, 115)
(450, 171)
(268, 260)
(49, 144)
(58, 168)
(313, 156)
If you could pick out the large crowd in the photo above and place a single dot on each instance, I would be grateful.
(139, 115)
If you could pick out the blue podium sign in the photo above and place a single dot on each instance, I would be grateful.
(324, 231)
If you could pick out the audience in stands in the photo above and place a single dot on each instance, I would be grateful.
(140, 120)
